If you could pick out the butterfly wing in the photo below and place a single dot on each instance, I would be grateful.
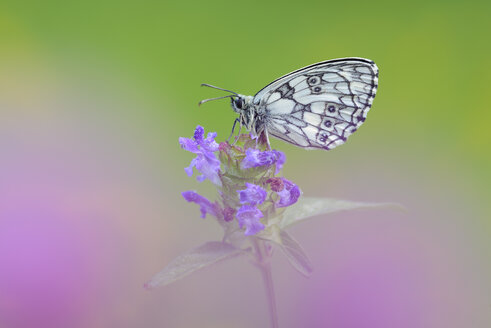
(320, 105)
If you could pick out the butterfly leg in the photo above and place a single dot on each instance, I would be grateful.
(238, 135)
(267, 139)
(264, 139)
(233, 128)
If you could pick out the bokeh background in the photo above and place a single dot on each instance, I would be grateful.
(93, 98)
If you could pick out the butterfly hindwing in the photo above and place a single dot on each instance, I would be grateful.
(319, 106)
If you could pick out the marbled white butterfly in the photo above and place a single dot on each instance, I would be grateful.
(318, 106)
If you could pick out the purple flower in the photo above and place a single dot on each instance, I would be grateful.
(248, 216)
(289, 194)
(253, 194)
(242, 205)
(255, 158)
(205, 161)
(280, 160)
(205, 205)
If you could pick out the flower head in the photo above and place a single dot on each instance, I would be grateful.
(248, 216)
(256, 158)
(204, 204)
(289, 194)
(205, 161)
(253, 194)
(249, 198)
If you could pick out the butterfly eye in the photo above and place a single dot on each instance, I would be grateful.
(239, 102)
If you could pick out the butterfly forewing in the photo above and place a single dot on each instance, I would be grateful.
(319, 106)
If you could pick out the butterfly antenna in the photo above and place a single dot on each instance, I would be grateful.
(207, 100)
(214, 87)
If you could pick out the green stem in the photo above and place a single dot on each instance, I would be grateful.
(263, 257)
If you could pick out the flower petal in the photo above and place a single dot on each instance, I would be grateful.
(188, 144)
(189, 169)
(206, 161)
(256, 158)
(248, 216)
(289, 195)
(253, 194)
(280, 160)
(251, 159)
(205, 205)
(209, 167)
(209, 144)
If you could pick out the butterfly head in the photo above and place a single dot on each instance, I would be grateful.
(241, 103)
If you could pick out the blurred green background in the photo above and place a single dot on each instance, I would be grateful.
(95, 94)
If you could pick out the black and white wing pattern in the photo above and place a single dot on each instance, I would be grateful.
(321, 105)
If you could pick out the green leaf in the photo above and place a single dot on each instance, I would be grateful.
(295, 254)
(200, 257)
(308, 207)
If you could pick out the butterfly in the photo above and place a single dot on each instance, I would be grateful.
(315, 107)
